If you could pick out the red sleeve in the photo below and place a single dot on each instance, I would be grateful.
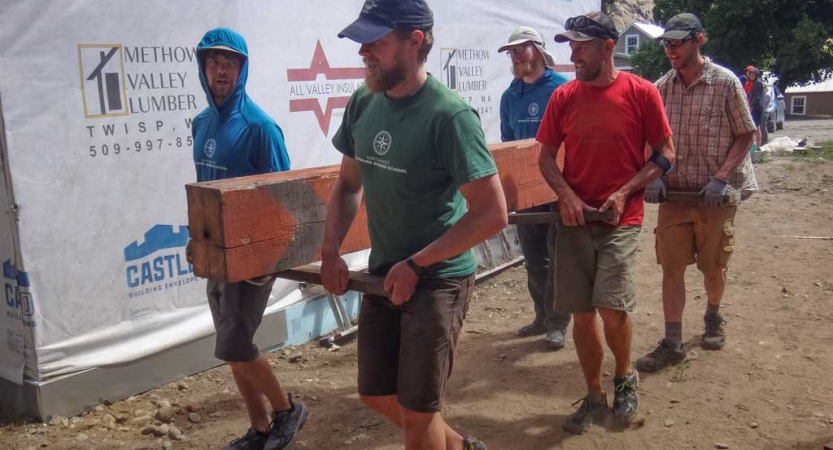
(550, 132)
(655, 121)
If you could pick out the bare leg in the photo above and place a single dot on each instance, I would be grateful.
(254, 379)
(389, 407)
(715, 284)
(673, 294)
(617, 327)
(590, 352)
(423, 431)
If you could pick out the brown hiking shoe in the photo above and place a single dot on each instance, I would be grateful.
(666, 354)
(715, 336)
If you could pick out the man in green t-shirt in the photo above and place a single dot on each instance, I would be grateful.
(416, 152)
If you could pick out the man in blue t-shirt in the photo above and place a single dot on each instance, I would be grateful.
(521, 108)
(233, 137)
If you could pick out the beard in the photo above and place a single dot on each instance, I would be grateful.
(588, 73)
(522, 69)
(381, 80)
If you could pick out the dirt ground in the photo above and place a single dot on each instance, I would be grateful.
(769, 388)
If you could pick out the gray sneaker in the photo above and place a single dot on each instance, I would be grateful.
(588, 412)
(470, 443)
(285, 426)
(715, 336)
(554, 340)
(625, 396)
(252, 440)
(666, 354)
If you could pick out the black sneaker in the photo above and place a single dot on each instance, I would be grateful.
(625, 396)
(666, 354)
(554, 340)
(470, 443)
(286, 425)
(715, 336)
(534, 329)
(587, 413)
(253, 440)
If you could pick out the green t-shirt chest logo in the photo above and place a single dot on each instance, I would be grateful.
(381, 143)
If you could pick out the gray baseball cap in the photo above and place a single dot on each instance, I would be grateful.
(522, 35)
(593, 25)
(680, 26)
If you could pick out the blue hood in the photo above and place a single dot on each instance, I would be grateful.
(231, 39)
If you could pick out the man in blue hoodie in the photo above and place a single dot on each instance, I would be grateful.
(233, 137)
(521, 108)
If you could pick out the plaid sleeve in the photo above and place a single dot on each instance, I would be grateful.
(737, 109)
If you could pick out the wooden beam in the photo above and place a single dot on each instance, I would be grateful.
(252, 226)
(553, 216)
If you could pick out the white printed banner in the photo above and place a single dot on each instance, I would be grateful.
(97, 103)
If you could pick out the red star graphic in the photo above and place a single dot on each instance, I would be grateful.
(320, 65)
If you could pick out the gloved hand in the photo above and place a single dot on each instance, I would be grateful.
(715, 192)
(655, 192)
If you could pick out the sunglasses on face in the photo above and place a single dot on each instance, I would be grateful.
(674, 43)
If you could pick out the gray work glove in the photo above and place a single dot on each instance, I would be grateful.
(715, 192)
(655, 192)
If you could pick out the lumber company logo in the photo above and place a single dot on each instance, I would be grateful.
(102, 80)
(158, 263)
(307, 92)
(118, 80)
(382, 143)
(463, 70)
(19, 302)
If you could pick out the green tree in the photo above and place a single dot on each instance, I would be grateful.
(649, 61)
(791, 38)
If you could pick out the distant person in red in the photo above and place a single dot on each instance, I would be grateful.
(747, 82)
(754, 88)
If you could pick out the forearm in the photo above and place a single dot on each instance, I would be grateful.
(648, 173)
(736, 155)
(341, 211)
(473, 228)
(548, 164)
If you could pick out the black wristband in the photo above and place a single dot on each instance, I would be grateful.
(418, 270)
(660, 160)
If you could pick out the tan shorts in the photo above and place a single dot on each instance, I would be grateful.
(686, 234)
(594, 267)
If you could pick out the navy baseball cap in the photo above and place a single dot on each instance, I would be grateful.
(380, 17)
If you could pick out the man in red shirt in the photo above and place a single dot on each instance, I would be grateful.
(604, 118)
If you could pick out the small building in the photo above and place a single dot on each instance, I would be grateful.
(811, 100)
(630, 40)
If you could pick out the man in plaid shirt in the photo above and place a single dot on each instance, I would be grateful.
(709, 116)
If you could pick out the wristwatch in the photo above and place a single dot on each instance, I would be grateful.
(418, 270)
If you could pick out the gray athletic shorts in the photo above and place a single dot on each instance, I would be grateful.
(237, 309)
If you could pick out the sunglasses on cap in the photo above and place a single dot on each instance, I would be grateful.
(674, 43)
(584, 23)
